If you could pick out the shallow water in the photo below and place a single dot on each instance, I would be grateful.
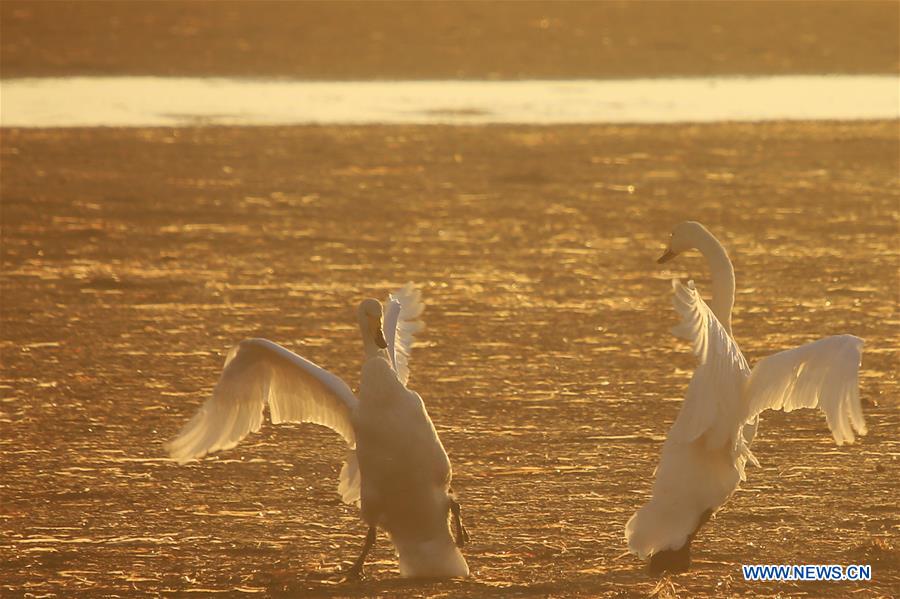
(159, 101)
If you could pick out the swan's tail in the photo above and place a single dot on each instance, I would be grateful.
(435, 558)
(690, 481)
(659, 526)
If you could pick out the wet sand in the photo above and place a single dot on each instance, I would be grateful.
(133, 259)
(412, 40)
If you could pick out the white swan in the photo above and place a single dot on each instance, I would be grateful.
(396, 471)
(704, 455)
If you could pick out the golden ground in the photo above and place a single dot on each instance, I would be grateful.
(133, 259)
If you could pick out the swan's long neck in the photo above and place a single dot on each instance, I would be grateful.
(369, 347)
(722, 278)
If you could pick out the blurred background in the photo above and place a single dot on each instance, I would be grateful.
(438, 40)
(133, 258)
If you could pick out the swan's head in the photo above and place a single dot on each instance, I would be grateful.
(685, 236)
(370, 315)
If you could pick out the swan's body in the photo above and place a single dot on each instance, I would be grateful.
(708, 446)
(406, 475)
(396, 470)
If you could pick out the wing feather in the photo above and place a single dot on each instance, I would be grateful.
(823, 374)
(349, 485)
(260, 373)
(714, 394)
(402, 310)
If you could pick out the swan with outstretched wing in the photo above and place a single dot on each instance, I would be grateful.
(396, 470)
(704, 456)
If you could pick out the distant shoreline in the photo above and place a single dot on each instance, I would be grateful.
(446, 40)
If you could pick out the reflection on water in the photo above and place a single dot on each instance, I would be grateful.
(157, 101)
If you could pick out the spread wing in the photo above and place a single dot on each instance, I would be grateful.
(823, 374)
(402, 310)
(713, 400)
(260, 373)
(687, 481)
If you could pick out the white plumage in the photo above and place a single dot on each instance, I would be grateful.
(401, 323)
(260, 373)
(396, 469)
(703, 458)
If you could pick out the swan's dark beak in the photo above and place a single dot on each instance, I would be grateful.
(666, 257)
(379, 339)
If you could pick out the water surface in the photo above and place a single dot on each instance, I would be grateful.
(160, 101)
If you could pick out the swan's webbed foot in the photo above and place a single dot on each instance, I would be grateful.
(355, 572)
(462, 535)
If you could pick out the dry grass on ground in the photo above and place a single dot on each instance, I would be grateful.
(132, 260)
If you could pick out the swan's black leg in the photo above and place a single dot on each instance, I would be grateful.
(670, 560)
(355, 571)
(676, 560)
(462, 535)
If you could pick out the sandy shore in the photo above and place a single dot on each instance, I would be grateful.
(133, 259)
(347, 40)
